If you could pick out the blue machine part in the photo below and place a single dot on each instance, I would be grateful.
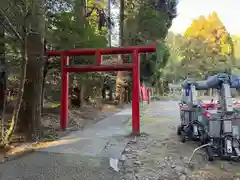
(212, 82)
(235, 81)
(187, 91)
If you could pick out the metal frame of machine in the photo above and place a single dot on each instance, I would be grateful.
(189, 110)
(218, 130)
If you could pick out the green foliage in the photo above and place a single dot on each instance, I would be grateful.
(66, 28)
(148, 22)
(214, 34)
(236, 44)
(162, 57)
(64, 33)
(152, 66)
(193, 57)
(72, 29)
(199, 61)
(205, 49)
(147, 19)
(173, 70)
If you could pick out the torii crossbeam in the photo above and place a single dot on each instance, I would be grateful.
(97, 67)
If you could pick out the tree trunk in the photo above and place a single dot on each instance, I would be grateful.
(122, 90)
(121, 24)
(79, 10)
(45, 71)
(119, 78)
(82, 95)
(109, 28)
(3, 75)
(31, 105)
(17, 107)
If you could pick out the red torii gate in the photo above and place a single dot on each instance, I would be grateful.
(97, 67)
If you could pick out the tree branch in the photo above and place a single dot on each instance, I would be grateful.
(10, 25)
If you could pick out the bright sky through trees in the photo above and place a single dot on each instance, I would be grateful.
(228, 11)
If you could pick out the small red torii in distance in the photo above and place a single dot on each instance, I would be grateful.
(97, 67)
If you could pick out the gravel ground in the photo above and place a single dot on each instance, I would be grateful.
(159, 155)
(156, 155)
(88, 154)
(54, 166)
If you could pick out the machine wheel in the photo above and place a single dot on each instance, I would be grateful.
(179, 129)
(203, 138)
(209, 152)
(183, 137)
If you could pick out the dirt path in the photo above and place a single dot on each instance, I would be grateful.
(51, 131)
(84, 154)
(159, 155)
